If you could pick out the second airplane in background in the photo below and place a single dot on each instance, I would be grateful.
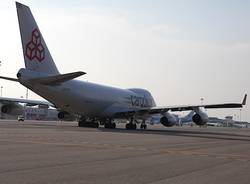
(93, 103)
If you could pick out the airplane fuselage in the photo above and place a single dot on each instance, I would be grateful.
(89, 99)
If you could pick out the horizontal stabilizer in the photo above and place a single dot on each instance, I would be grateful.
(9, 78)
(56, 79)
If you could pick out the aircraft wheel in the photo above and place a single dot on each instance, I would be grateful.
(110, 125)
(88, 124)
(81, 124)
(113, 125)
(130, 126)
(106, 125)
(95, 124)
(143, 126)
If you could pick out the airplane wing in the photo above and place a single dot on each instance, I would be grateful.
(158, 110)
(26, 101)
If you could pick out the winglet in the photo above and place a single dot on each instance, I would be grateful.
(244, 100)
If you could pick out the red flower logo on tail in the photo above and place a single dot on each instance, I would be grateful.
(34, 48)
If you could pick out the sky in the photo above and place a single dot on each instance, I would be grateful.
(181, 51)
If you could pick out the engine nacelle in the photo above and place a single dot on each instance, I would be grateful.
(200, 118)
(168, 120)
(12, 109)
(6, 109)
(65, 116)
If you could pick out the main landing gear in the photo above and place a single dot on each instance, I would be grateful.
(131, 125)
(83, 122)
(143, 125)
(109, 124)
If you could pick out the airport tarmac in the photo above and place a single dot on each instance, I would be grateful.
(61, 152)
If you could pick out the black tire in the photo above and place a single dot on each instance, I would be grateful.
(113, 125)
(88, 124)
(96, 125)
(130, 126)
(106, 125)
(143, 126)
(110, 125)
(80, 124)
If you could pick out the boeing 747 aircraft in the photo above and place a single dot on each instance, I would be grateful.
(93, 103)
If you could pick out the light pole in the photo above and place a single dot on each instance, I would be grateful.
(1, 91)
(240, 114)
(27, 93)
(202, 99)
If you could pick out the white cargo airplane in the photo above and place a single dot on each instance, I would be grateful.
(93, 103)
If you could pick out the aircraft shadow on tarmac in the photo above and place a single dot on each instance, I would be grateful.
(185, 133)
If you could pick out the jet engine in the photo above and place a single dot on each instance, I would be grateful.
(168, 120)
(200, 118)
(65, 116)
(12, 109)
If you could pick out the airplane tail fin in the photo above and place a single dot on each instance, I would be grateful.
(36, 54)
